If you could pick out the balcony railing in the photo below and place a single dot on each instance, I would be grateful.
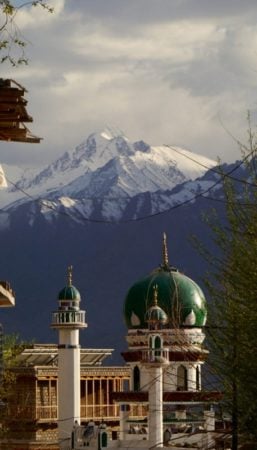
(97, 412)
(60, 318)
(88, 412)
(47, 413)
(155, 356)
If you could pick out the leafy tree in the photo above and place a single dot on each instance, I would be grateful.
(12, 42)
(11, 347)
(232, 285)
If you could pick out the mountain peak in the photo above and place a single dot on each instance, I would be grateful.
(100, 147)
(110, 133)
(108, 165)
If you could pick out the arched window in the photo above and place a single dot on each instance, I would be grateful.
(157, 342)
(182, 379)
(157, 345)
(136, 378)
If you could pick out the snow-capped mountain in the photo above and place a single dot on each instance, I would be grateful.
(45, 228)
(101, 176)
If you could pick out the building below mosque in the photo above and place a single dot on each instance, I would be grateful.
(65, 398)
(31, 416)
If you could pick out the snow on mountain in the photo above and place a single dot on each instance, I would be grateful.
(9, 176)
(104, 173)
(3, 182)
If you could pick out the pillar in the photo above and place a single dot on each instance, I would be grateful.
(155, 399)
(124, 415)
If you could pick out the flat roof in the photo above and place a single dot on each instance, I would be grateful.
(47, 354)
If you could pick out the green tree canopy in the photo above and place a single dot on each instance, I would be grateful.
(11, 346)
(232, 285)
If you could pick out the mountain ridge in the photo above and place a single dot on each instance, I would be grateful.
(105, 168)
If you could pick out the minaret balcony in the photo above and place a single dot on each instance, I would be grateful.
(72, 319)
(156, 356)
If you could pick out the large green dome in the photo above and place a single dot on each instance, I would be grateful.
(180, 298)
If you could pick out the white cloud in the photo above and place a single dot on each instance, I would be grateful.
(170, 76)
(35, 17)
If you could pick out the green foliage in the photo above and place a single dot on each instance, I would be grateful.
(232, 285)
(12, 42)
(12, 346)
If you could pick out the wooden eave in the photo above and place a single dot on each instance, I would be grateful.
(9, 105)
(168, 397)
(7, 296)
(16, 117)
(13, 114)
(17, 134)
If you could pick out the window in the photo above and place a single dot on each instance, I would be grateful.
(182, 379)
(136, 378)
(197, 378)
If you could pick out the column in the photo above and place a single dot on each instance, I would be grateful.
(155, 417)
(68, 384)
(124, 415)
(191, 377)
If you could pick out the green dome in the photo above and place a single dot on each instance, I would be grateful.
(155, 314)
(69, 293)
(178, 296)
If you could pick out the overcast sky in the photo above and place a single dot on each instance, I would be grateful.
(178, 72)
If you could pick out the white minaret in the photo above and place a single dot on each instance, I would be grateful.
(155, 359)
(68, 320)
(165, 313)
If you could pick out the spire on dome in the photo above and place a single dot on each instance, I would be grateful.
(165, 257)
(70, 275)
(155, 295)
(69, 292)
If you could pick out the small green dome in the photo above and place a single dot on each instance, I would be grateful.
(155, 315)
(178, 296)
(69, 293)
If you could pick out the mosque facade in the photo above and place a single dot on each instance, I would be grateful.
(156, 399)
(165, 313)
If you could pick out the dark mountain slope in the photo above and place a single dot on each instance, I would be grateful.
(107, 259)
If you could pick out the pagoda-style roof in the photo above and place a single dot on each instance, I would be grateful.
(7, 297)
(47, 355)
(13, 113)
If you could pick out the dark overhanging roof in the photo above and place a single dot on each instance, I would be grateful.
(7, 296)
(13, 113)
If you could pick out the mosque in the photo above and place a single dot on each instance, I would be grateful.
(155, 400)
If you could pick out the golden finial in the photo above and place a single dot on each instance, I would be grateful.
(70, 275)
(165, 257)
(155, 295)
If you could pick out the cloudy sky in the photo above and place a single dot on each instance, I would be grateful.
(178, 72)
